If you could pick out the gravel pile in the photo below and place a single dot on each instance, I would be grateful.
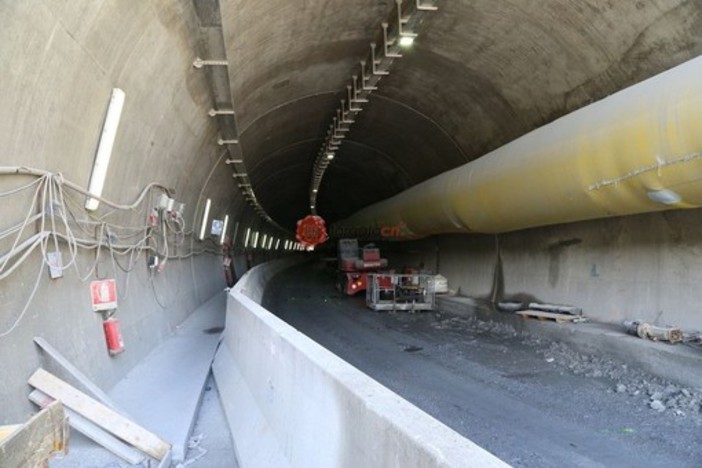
(654, 392)
(476, 326)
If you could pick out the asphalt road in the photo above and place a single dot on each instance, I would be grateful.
(498, 388)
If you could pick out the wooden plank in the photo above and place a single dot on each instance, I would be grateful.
(5, 431)
(45, 434)
(68, 366)
(92, 431)
(560, 318)
(101, 415)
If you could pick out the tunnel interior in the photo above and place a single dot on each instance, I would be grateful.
(232, 107)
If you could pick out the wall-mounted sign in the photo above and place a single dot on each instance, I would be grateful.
(103, 294)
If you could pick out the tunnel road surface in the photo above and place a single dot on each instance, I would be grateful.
(496, 387)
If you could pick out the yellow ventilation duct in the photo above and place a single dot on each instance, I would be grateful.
(637, 151)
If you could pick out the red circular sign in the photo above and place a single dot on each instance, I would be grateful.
(311, 231)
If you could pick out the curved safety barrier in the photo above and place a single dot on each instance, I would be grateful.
(290, 402)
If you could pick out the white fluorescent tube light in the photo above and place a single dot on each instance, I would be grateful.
(104, 151)
(224, 229)
(205, 215)
(247, 237)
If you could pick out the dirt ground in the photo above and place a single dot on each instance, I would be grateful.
(531, 401)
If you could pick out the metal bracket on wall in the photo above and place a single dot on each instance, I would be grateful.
(374, 63)
(386, 44)
(358, 93)
(199, 63)
(214, 112)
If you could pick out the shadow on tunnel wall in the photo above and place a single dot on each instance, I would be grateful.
(636, 267)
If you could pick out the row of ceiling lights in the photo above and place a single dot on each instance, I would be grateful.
(363, 85)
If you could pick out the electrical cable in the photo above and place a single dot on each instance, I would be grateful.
(26, 305)
(57, 221)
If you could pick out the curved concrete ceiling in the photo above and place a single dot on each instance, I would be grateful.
(481, 73)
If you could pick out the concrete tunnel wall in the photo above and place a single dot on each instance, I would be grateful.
(62, 60)
(642, 267)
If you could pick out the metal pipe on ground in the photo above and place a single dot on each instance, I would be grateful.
(653, 332)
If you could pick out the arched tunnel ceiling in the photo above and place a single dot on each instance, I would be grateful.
(481, 73)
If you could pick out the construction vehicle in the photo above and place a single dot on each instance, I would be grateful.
(355, 264)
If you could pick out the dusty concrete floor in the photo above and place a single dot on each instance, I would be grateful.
(531, 401)
(211, 442)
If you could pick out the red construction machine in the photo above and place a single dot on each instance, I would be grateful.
(355, 264)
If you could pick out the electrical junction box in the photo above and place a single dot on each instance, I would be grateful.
(55, 264)
(162, 202)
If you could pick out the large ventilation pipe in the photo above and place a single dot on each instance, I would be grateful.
(636, 151)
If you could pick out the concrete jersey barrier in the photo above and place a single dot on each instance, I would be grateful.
(290, 402)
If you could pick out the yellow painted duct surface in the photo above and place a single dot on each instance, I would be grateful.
(607, 159)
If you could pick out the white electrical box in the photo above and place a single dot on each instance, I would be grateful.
(217, 226)
(55, 264)
(163, 202)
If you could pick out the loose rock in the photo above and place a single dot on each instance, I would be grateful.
(657, 405)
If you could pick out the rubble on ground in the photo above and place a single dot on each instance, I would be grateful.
(654, 392)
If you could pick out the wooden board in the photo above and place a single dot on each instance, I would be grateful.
(560, 318)
(93, 389)
(100, 414)
(92, 431)
(44, 435)
(6, 431)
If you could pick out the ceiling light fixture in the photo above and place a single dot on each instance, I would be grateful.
(224, 229)
(205, 215)
(406, 41)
